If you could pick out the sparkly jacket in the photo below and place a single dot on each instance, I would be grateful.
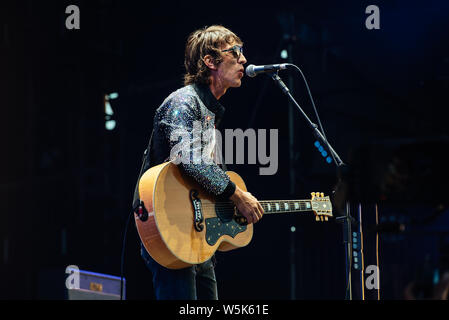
(189, 109)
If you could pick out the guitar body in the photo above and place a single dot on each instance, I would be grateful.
(169, 234)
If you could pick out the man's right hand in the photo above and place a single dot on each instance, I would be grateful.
(247, 205)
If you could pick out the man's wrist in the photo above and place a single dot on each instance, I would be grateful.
(236, 195)
(229, 190)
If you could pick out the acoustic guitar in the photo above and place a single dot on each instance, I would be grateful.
(181, 225)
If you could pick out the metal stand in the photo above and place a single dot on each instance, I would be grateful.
(346, 222)
(347, 219)
(292, 263)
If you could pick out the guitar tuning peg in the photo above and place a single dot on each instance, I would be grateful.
(326, 218)
(322, 194)
(321, 217)
(313, 194)
(317, 218)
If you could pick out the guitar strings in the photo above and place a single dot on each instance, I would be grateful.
(240, 215)
(221, 203)
(226, 204)
(265, 209)
(264, 205)
(228, 209)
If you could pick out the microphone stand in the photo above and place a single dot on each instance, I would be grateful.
(312, 125)
(347, 220)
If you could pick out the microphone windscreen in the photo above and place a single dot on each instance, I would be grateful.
(250, 71)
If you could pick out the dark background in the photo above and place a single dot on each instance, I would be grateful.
(67, 183)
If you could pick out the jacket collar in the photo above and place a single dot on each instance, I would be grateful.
(210, 101)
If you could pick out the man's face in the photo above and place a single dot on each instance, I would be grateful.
(230, 71)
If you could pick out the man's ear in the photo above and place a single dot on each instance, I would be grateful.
(210, 62)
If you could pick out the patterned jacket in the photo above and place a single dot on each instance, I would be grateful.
(176, 127)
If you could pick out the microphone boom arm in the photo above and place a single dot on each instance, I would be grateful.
(316, 132)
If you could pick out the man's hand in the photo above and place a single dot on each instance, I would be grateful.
(247, 205)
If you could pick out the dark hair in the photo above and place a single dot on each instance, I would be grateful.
(200, 43)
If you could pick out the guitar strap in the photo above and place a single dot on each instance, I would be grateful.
(145, 167)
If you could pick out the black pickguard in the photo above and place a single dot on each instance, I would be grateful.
(226, 223)
(215, 229)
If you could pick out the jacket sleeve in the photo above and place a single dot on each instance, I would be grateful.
(181, 125)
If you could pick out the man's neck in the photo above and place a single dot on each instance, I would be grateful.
(217, 88)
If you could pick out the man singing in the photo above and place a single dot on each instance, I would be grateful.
(214, 63)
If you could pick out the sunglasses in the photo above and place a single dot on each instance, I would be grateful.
(236, 51)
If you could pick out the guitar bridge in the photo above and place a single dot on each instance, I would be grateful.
(197, 211)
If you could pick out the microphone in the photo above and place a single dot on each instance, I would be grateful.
(252, 70)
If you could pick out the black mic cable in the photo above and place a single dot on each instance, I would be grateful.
(335, 161)
(314, 108)
(123, 255)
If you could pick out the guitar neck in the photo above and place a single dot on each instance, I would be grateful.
(283, 206)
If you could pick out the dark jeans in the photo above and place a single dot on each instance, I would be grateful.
(193, 283)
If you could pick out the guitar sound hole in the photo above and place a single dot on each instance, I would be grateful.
(225, 211)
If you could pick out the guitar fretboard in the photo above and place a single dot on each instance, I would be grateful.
(281, 206)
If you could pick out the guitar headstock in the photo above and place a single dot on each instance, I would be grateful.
(321, 206)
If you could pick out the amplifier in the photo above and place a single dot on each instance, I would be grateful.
(95, 286)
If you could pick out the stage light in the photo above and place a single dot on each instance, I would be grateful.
(113, 96)
(284, 54)
(108, 109)
(110, 125)
(323, 152)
